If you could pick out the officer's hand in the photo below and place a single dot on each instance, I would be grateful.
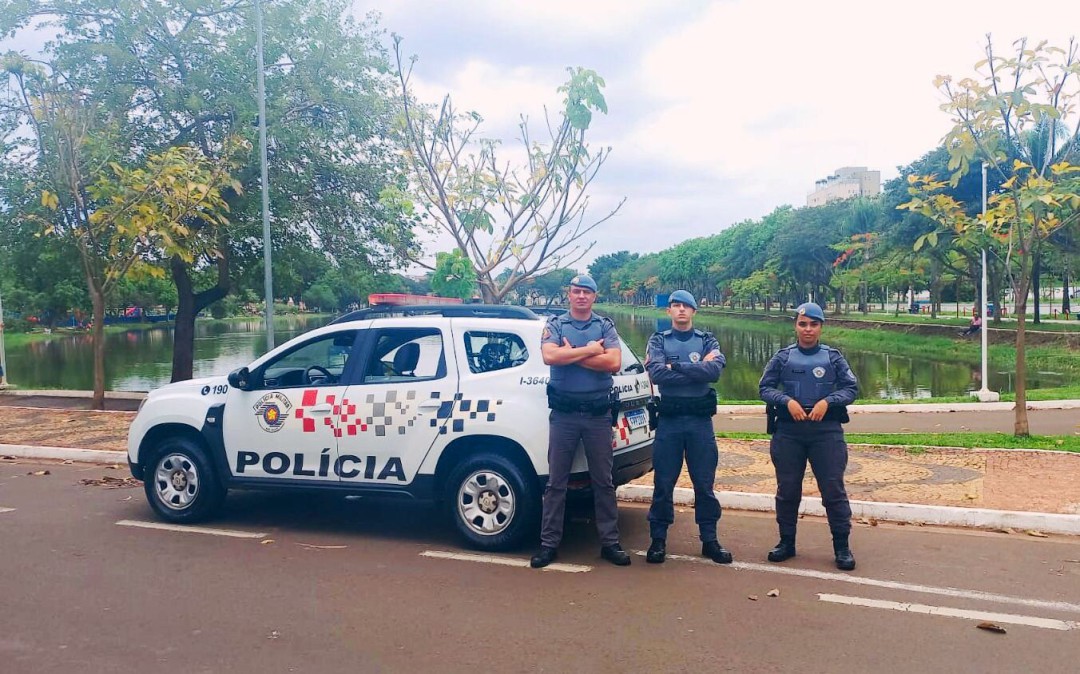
(711, 356)
(820, 408)
(796, 410)
(597, 347)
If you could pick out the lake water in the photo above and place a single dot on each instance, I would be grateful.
(141, 359)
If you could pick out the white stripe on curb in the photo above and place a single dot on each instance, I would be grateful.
(958, 593)
(894, 512)
(502, 561)
(190, 529)
(64, 454)
(980, 518)
(1007, 618)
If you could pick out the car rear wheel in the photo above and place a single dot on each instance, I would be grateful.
(492, 503)
(181, 484)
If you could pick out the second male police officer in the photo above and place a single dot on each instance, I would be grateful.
(808, 387)
(683, 363)
(583, 351)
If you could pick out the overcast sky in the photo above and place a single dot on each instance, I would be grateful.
(719, 111)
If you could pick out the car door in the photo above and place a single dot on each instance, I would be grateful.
(285, 427)
(405, 394)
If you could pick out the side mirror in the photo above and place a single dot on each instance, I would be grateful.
(636, 368)
(240, 379)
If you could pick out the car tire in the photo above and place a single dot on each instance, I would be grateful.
(181, 483)
(492, 502)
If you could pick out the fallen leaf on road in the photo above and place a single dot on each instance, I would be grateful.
(1036, 534)
(773, 593)
(274, 634)
(322, 547)
(991, 627)
(752, 597)
(1006, 530)
(1073, 561)
(111, 482)
(873, 522)
(268, 541)
(39, 472)
(970, 497)
(68, 462)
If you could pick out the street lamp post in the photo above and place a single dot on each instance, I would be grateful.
(268, 280)
(984, 394)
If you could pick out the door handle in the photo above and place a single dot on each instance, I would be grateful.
(430, 405)
(320, 409)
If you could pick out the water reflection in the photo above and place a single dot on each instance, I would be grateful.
(141, 359)
(881, 375)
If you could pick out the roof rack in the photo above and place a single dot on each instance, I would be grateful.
(446, 310)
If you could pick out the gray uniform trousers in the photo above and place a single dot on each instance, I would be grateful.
(566, 429)
(823, 444)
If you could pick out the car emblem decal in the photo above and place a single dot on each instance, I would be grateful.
(272, 410)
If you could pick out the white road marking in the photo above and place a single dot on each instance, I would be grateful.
(7, 510)
(889, 584)
(503, 561)
(190, 529)
(1006, 618)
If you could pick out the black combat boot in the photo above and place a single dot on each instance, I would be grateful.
(716, 552)
(845, 561)
(785, 549)
(615, 554)
(543, 558)
(657, 551)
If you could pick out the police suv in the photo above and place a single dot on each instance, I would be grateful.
(444, 403)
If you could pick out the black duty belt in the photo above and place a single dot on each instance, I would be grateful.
(696, 406)
(565, 402)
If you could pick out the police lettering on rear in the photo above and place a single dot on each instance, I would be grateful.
(346, 466)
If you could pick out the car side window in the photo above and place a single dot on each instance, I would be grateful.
(406, 355)
(319, 362)
(491, 351)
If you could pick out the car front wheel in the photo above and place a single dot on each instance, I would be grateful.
(181, 484)
(492, 503)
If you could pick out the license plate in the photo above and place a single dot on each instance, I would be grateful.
(637, 418)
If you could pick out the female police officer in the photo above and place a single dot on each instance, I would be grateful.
(808, 387)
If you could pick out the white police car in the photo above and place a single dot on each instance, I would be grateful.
(447, 404)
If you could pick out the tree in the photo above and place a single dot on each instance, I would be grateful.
(453, 276)
(530, 219)
(177, 73)
(117, 217)
(1011, 119)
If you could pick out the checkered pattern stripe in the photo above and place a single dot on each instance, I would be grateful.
(460, 410)
(393, 413)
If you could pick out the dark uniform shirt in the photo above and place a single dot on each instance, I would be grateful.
(808, 375)
(693, 374)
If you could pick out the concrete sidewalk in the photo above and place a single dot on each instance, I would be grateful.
(1024, 489)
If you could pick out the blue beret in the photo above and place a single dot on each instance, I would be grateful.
(810, 310)
(584, 281)
(684, 297)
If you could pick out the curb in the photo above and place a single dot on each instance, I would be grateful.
(105, 456)
(978, 518)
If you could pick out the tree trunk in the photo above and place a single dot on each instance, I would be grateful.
(97, 300)
(188, 306)
(1020, 426)
(1066, 306)
(1036, 286)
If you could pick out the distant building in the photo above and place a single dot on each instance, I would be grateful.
(847, 182)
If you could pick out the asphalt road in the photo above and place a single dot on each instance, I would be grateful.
(326, 584)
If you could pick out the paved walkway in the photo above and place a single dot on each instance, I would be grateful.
(1006, 480)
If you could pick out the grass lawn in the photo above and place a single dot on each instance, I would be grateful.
(918, 441)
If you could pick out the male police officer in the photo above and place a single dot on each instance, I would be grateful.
(683, 363)
(583, 351)
(804, 419)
